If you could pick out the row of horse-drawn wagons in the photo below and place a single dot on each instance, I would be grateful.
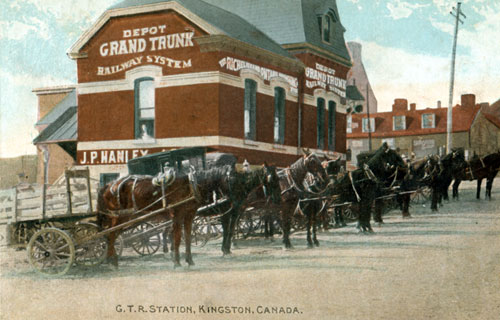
(187, 195)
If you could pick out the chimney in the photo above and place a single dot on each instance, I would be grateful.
(439, 104)
(400, 105)
(468, 100)
(413, 106)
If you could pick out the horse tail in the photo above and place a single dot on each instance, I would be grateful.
(101, 205)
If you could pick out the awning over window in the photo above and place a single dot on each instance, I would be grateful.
(353, 93)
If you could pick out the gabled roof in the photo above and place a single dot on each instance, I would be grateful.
(492, 113)
(463, 117)
(291, 21)
(211, 18)
(66, 103)
(64, 128)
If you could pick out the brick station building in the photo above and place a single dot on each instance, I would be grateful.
(476, 128)
(260, 79)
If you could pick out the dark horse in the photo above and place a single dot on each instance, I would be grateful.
(478, 169)
(393, 175)
(440, 172)
(291, 183)
(362, 186)
(132, 196)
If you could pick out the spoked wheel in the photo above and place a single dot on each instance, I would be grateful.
(421, 196)
(247, 224)
(208, 229)
(350, 213)
(144, 245)
(51, 251)
(92, 252)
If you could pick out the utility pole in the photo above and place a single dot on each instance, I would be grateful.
(368, 115)
(457, 14)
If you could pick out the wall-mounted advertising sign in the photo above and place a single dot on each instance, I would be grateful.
(233, 64)
(153, 39)
(324, 77)
(113, 156)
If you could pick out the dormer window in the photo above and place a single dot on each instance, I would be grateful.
(327, 28)
(368, 126)
(428, 121)
(398, 123)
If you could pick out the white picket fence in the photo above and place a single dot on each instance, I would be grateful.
(25, 202)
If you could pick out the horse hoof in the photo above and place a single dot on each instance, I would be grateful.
(310, 246)
(177, 265)
(190, 262)
(316, 243)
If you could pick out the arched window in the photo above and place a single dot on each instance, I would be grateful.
(250, 109)
(144, 91)
(279, 115)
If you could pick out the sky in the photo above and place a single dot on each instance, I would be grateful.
(406, 52)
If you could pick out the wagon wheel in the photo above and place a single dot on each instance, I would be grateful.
(247, 224)
(350, 213)
(198, 238)
(51, 251)
(209, 229)
(89, 253)
(143, 245)
(421, 196)
(25, 230)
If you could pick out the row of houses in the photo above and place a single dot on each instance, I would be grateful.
(419, 132)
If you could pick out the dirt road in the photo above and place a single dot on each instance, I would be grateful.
(432, 266)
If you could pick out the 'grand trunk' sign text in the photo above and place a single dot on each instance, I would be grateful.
(148, 39)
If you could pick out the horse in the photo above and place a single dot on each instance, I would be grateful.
(362, 186)
(291, 181)
(478, 169)
(440, 172)
(392, 175)
(133, 196)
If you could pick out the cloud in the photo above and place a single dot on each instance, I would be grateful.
(400, 9)
(423, 79)
(72, 11)
(18, 109)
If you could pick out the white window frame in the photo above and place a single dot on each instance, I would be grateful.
(394, 123)
(433, 120)
(364, 125)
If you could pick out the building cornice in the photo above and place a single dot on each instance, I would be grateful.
(74, 52)
(54, 90)
(309, 48)
(221, 42)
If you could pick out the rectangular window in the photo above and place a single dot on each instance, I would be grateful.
(428, 121)
(106, 178)
(144, 108)
(349, 124)
(250, 108)
(332, 109)
(279, 115)
(368, 126)
(320, 123)
(398, 123)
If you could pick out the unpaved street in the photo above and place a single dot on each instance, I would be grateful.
(432, 266)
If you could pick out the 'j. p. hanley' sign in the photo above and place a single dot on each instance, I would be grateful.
(148, 39)
(122, 156)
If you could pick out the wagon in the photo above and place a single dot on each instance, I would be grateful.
(56, 224)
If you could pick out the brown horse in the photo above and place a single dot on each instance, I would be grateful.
(478, 169)
(133, 196)
(291, 183)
